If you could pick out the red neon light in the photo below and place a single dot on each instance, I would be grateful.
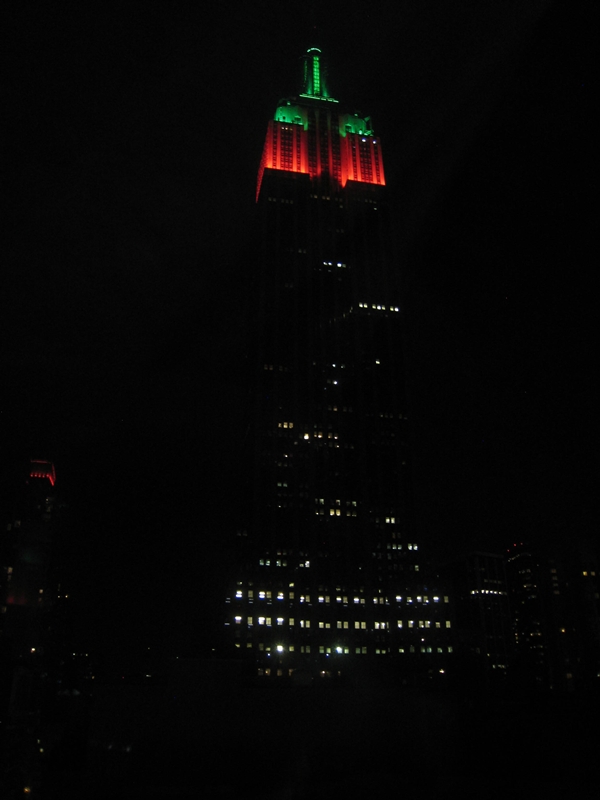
(355, 157)
(42, 469)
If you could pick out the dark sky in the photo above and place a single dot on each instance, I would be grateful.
(134, 141)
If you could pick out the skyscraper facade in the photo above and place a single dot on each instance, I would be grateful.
(329, 568)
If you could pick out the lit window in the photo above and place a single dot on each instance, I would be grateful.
(448, 624)
(280, 620)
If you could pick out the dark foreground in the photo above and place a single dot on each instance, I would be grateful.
(199, 736)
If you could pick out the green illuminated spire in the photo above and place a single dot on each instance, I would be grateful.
(313, 84)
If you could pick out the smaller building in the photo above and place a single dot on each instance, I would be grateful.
(555, 615)
(483, 630)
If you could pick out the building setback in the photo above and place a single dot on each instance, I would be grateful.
(327, 568)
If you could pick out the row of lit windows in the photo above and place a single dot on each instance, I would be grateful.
(343, 624)
(340, 650)
(337, 502)
(378, 308)
(341, 598)
(335, 512)
(321, 435)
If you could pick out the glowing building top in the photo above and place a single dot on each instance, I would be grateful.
(311, 134)
(42, 469)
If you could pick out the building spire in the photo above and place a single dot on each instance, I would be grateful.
(313, 83)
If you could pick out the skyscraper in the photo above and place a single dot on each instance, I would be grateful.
(328, 567)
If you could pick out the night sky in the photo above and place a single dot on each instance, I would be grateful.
(134, 142)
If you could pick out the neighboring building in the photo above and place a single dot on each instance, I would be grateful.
(29, 586)
(556, 615)
(328, 566)
(483, 630)
(529, 610)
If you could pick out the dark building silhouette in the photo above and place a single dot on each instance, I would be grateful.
(555, 605)
(28, 567)
(483, 628)
(328, 568)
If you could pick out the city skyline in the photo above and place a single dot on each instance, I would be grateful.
(123, 333)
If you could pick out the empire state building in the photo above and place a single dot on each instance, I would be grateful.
(328, 568)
